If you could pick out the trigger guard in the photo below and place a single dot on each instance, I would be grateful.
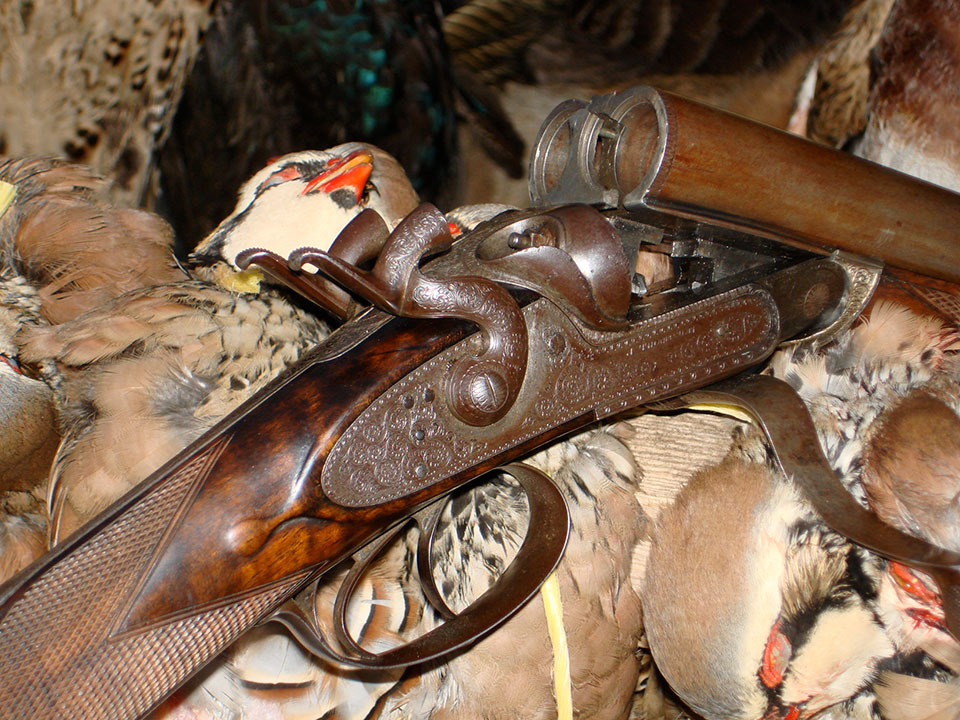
(538, 556)
(428, 584)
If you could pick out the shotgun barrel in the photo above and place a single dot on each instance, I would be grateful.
(647, 149)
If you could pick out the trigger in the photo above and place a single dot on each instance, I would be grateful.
(538, 556)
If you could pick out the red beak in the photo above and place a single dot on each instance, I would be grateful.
(351, 172)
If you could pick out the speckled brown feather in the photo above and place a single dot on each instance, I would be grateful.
(508, 674)
(29, 434)
(838, 108)
(97, 82)
(76, 249)
(147, 372)
(603, 42)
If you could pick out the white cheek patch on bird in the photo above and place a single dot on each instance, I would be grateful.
(302, 200)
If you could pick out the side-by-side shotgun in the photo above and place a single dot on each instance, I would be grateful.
(675, 246)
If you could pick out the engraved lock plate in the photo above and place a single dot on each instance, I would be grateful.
(407, 439)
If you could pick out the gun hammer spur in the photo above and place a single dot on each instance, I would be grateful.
(789, 429)
(538, 556)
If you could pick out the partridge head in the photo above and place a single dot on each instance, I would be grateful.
(148, 371)
(753, 608)
(305, 198)
(886, 397)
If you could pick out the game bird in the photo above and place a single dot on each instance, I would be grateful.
(881, 87)
(144, 373)
(753, 633)
(601, 613)
(64, 249)
(63, 236)
(884, 398)
(457, 90)
(142, 355)
(753, 608)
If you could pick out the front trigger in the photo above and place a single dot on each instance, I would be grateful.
(538, 556)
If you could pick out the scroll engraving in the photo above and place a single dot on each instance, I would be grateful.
(578, 371)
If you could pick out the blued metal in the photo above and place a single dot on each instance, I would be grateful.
(675, 155)
(787, 424)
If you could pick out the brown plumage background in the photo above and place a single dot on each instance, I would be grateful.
(179, 118)
(176, 103)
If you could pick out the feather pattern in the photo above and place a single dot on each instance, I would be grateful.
(73, 246)
(601, 611)
(149, 368)
(145, 374)
(97, 82)
(28, 433)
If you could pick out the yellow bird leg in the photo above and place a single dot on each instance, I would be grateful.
(550, 590)
(244, 281)
(7, 194)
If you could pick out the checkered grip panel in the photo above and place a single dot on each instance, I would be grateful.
(57, 657)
